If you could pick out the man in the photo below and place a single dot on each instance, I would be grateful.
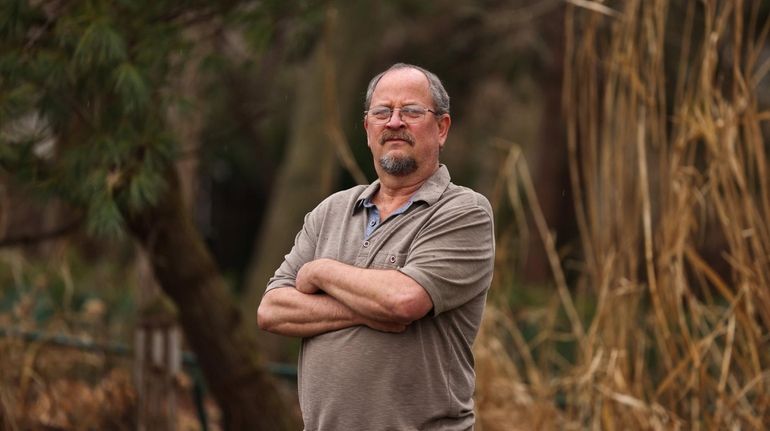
(386, 283)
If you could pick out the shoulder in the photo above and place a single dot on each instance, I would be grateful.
(343, 200)
(344, 196)
(460, 197)
(461, 206)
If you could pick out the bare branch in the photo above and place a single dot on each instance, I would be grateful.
(36, 238)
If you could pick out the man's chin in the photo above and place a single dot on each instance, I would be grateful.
(398, 166)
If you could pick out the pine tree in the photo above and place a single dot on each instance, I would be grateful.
(82, 117)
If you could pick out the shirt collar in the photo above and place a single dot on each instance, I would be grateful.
(430, 192)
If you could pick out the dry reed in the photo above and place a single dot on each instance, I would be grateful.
(670, 178)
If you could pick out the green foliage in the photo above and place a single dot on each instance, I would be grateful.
(100, 46)
(131, 87)
(93, 74)
(13, 14)
(95, 77)
(104, 217)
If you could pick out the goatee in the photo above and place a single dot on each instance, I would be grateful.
(398, 166)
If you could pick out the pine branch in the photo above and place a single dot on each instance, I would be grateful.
(53, 11)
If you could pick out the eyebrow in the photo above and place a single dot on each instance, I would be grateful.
(403, 104)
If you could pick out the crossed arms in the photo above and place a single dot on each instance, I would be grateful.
(330, 295)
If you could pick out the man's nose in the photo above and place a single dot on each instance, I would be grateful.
(395, 121)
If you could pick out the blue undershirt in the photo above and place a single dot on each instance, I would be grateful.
(373, 215)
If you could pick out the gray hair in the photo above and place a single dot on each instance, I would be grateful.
(437, 90)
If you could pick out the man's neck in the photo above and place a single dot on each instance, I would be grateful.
(395, 191)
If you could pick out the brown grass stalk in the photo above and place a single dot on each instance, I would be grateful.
(670, 177)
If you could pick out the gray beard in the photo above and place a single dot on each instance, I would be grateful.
(398, 166)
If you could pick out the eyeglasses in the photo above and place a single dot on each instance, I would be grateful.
(410, 114)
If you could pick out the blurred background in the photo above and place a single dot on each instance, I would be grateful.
(158, 157)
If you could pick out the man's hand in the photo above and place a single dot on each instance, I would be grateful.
(304, 281)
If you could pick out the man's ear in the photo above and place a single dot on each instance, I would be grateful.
(443, 129)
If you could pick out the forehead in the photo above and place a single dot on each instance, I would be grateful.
(402, 85)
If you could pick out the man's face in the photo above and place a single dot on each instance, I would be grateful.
(400, 148)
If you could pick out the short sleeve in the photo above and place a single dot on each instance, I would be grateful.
(452, 257)
(302, 251)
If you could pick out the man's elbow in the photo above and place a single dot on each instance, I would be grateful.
(265, 318)
(410, 307)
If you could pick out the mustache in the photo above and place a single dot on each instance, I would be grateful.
(400, 135)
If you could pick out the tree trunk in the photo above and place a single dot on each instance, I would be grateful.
(225, 347)
(308, 172)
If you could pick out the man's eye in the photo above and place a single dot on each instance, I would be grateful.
(412, 112)
(381, 112)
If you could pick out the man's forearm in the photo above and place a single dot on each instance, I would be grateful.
(384, 295)
(287, 311)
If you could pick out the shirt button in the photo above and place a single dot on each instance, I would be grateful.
(393, 259)
(372, 223)
(366, 244)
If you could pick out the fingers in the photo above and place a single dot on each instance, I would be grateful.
(302, 281)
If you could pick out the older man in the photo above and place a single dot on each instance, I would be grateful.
(386, 283)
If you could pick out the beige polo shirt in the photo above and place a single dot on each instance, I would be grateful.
(421, 379)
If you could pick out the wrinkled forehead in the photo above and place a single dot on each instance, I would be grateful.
(402, 86)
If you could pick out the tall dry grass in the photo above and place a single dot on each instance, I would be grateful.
(667, 324)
